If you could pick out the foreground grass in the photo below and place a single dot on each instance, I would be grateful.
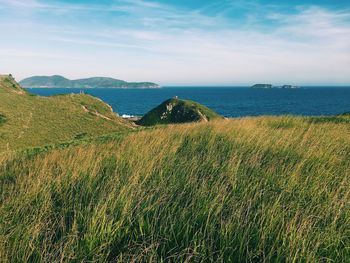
(262, 189)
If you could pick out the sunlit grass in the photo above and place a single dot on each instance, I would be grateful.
(251, 189)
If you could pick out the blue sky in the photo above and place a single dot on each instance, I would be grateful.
(182, 42)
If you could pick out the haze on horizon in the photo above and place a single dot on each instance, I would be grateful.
(183, 42)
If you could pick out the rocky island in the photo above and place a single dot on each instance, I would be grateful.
(289, 87)
(262, 86)
(270, 86)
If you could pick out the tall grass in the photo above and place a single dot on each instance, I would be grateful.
(265, 189)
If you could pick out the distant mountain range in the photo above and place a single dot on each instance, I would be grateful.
(57, 81)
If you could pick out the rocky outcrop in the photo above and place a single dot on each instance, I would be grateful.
(178, 111)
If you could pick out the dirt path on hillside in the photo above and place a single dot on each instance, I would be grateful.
(96, 113)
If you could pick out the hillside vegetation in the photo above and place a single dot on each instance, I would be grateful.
(57, 81)
(27, 120)
(251, 189)
(177, 110)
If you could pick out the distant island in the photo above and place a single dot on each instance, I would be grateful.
(57, 81)
(262, 86)
(270, 86)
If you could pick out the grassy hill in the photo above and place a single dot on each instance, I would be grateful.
(27, 120)
(57, 81)
(178, 111)
(251, 189)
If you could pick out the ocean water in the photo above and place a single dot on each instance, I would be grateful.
(230, 102)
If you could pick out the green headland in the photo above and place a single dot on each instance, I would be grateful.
(176, 110)
(27, 120)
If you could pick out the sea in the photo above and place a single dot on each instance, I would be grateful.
(227, 101)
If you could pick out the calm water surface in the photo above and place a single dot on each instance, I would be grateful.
(230, 102)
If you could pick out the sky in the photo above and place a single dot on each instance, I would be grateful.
(179, 42)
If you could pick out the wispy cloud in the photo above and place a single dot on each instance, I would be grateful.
(21, 4)
(147, 39)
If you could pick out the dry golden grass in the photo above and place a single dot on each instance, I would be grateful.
(251, 189)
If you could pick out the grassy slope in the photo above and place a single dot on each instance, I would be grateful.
(252, 189)
(189, 113)
(35, 120)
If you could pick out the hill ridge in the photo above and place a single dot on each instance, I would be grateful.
(9, 84)
(28, 120)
